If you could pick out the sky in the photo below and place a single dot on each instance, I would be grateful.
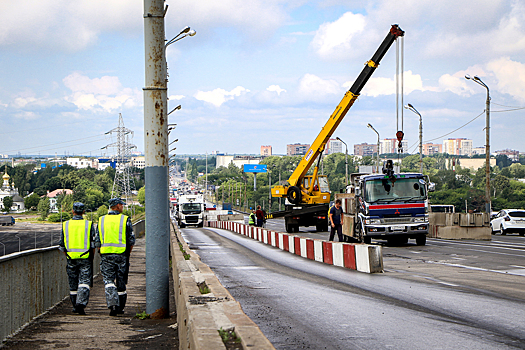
(258, 72)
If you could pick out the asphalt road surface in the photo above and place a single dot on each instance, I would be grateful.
(439, 296)
(27, 236)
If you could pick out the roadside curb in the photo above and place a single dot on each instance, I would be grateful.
(356, 256)
(200, 316)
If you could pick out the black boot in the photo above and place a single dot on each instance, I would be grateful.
(113, 311)
(73, 298)
(121, 303)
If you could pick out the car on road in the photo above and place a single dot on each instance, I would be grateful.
(509, 221)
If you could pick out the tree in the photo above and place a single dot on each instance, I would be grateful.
(141, 197)
(31, 202)
(500, 183)
(8, 203)
(43, 208)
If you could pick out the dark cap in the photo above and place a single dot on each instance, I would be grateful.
(114, 201)
(78, 207)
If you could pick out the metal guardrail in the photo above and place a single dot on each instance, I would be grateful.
(32, 282)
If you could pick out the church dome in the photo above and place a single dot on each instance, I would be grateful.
(5, 177)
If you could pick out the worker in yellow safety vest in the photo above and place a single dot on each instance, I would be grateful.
(116, 242)
(251, 218)
(78, 240)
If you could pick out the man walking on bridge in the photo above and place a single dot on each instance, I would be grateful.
(336, 220)
(117, 240)
(78, 242)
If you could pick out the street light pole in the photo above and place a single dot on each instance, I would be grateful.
(346, 160)
(411, 108)
(371, 127)
(478, 81)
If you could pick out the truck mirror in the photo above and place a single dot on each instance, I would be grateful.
(358, 191)
(431, 187)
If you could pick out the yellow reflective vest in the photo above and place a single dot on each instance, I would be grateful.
(77, 238)
(112, 229)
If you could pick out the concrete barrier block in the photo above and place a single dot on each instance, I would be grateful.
(291, 244)
(337, 251)
(465, 232)
(369, 258)
(273, 238)
(327, 253)
(297, 245)
(281, 240)
(349, 256)
(318, 250)
(310, 250)
(302, 245)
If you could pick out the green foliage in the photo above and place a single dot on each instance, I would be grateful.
(142, 315)
(228, 336)
(55, 217)
(102, 210)
(141, 197)
(31, 202)
(43, 208)
(8, 203)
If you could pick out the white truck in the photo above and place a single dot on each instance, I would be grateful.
(190, 210)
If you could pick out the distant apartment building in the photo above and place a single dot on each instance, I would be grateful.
(431, 148)
(478, 150)
(79, 163)
(266, 151)
(390, 146)
(297, 149)
(333, 146)
(459, 146)
(225, 160)
(138, 162)
(512, 154)
(365, 149)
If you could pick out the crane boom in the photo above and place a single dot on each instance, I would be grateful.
(342, 108)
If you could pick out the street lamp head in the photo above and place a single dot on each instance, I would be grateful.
(337, 138)
(192, 33)
(185, 30)
(468, 77)
(369, 126)
(408, 106)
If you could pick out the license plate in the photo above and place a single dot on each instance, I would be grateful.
(397, 227)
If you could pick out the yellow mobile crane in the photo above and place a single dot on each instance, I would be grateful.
(309, 195)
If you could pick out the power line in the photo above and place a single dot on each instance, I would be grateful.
(462, 126)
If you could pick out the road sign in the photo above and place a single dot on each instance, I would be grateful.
(255, 168)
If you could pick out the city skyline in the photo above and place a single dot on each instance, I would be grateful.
(260, 73)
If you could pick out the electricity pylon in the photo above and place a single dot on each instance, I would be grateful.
(123, 183)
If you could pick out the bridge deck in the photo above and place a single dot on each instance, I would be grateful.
(60, 328)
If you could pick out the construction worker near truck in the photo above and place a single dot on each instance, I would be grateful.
(336, 220)
(252, 218)
(78, 241)
(116, 242)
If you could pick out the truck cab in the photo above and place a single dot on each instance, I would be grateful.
(393, 207)
(190, 211)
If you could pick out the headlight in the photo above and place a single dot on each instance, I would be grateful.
(373, 221)
(419, 219)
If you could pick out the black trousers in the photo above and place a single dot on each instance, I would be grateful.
(339, 229)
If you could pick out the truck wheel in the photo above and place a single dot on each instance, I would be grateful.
(294, 195)
(289, 228)
(201, 224)
(503, 232)
(421, 240)
(367, 240)
(181, 225)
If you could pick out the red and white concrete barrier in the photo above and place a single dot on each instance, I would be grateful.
(361, 257)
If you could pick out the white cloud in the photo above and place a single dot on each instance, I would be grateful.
(256, 18)
(218, 96)
(510, 76)
(334, 39)
(105, 93)
(313, 87)
(176, 97)
(27, 115)
(66, 25)
(276, 88)
(386, 86)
